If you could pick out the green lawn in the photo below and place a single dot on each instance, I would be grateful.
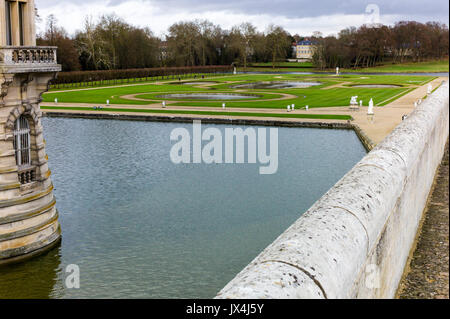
(283, 64)
(246, 114)
(317, 96)
(430, 66)
(116, 82)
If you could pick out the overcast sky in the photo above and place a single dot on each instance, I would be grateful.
(296, 16)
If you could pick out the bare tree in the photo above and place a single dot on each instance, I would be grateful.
(57, 36)
(242, 38)
(278, 43)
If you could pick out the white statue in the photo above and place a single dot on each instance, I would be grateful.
(107, 102)
(288, 108)
(163, 104)
(223, 105)
(56, 101)
(293, 107)
(234, 71)
(370, 109)
(307, 107)
(360, 102)
(430, 88)
(337, 70)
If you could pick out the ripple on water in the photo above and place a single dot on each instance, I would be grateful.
(139, 226)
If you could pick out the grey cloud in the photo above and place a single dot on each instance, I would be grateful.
(307, 8)
(428, 9)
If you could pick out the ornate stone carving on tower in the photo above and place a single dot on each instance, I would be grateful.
(28, 217)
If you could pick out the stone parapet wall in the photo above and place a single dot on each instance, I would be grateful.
(354, 242)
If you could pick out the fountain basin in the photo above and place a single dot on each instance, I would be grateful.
(276, 85)
(376, 86)
(208, 96)
(195, 83)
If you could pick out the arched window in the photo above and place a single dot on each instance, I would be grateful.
(22, 147)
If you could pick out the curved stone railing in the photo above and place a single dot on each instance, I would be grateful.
(354, 242)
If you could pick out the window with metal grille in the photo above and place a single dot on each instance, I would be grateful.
(22, 147)
(22, 141)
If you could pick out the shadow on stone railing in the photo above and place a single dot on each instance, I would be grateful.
(354, 242)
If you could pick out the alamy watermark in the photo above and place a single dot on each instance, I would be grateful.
(73, 277)
(228, 149)
(372, 16)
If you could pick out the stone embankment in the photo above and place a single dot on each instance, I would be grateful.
(355, 241)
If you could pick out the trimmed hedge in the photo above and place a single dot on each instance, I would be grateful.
(93, 76)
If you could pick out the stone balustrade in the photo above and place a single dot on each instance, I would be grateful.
(27, 56)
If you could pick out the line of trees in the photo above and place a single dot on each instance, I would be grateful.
(111, 44)
(368, 46)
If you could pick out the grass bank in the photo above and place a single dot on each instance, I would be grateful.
(332, 91)
(244, 114)
(408, 67)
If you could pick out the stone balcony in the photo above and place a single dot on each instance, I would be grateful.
(28, 59)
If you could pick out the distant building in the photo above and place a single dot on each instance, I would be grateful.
(305, 50)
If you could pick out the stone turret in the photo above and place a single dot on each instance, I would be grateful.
(28, 216)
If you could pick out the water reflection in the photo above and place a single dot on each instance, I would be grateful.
(34, 278)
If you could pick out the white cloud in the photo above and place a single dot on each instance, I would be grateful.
(146, 13)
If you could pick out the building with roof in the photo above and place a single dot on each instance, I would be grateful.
(305, 50)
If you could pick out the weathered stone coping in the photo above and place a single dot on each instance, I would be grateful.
(354, 241)
(365, 140)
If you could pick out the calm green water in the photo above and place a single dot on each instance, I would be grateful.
(139, 226)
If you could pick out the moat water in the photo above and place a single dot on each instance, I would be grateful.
(139, 226)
